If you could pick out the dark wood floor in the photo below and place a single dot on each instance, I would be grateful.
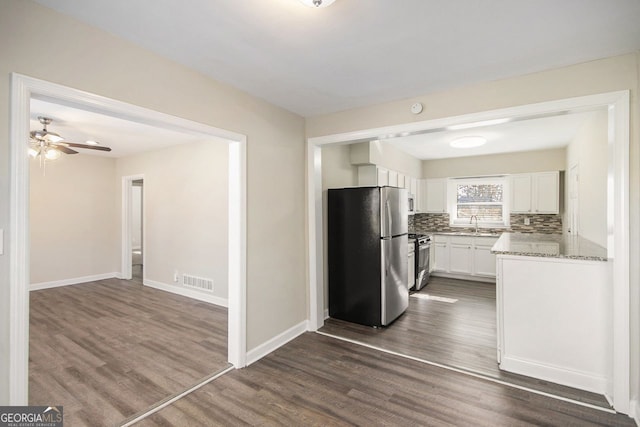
(460, 334)
(109, 349)
(319, 381)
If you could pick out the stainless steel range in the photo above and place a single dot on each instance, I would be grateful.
(423, 246)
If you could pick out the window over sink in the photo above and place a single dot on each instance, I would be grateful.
(478, 199)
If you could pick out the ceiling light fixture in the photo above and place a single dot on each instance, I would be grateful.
(478, 124)
(468, 142)
(317, 3)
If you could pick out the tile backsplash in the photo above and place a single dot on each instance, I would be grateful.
(550, 224)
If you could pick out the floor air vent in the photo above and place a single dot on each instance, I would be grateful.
(197, 282)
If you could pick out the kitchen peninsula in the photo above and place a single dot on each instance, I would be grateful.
(554, 318)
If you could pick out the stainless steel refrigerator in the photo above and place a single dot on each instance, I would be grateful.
(368, 259)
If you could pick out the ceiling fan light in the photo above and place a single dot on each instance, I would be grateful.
(52, 154)
(317, 3)
(468, 142)
(33, 153)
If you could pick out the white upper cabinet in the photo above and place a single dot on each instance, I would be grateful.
(433, 197)
(536, 193)
(371, 175)
(521, 195)
(393, 179)
(546, 189)
(401, 180)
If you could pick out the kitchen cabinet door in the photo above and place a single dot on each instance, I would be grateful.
(546, 193)
(521, 196)
(383, 177)
(393, 178)
(435, 195)
(401, 180)
(460, 256)
(484, 262)
(413, 186)
(441, 256)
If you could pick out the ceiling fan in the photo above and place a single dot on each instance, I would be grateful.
(50, 145)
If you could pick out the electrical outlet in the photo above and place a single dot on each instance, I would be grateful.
(175, 276)
(527, 221)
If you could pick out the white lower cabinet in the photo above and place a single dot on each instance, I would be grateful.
(461, 255)
(484, 261)
(464, 256)
(440, 258)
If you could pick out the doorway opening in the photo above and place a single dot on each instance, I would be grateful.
(137, 229)
(23, 90)
(617, 106)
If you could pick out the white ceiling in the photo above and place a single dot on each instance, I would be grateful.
(526, 135)
(361, 52)
(124, 137)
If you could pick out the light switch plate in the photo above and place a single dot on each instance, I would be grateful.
(527, 221)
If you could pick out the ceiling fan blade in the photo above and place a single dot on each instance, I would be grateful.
(90, 147)
(65, 150)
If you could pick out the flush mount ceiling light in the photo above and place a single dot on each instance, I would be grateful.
(317, 3)
(468, 142)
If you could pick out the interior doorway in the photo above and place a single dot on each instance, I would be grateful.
(137, 229)
(617, 105)
(23, 89)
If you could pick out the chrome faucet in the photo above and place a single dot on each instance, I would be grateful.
(471, 220)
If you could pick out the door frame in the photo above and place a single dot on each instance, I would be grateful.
(23, 88)
(573, 207)
(617, 105)
(126, 270)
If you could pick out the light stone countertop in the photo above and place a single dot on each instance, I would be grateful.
(549, 245)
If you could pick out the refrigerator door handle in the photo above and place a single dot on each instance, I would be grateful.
(384, 270)
(388, 219)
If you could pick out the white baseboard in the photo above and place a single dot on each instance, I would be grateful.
(276, 342)
(72, 281)
(576, 379)
(485, 279)
(185, 292)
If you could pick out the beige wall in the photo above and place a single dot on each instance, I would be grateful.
(185, 211)
(386, 155)
(523, 162)
(89, 59)
(73, 219)
(605, 75)
(588, 150)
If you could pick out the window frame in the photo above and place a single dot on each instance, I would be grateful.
(452, 197)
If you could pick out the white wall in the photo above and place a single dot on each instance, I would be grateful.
(588, 150)
(185, 211)
(521, 162)
(86, 58)
(73, 218)
(600, 76)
